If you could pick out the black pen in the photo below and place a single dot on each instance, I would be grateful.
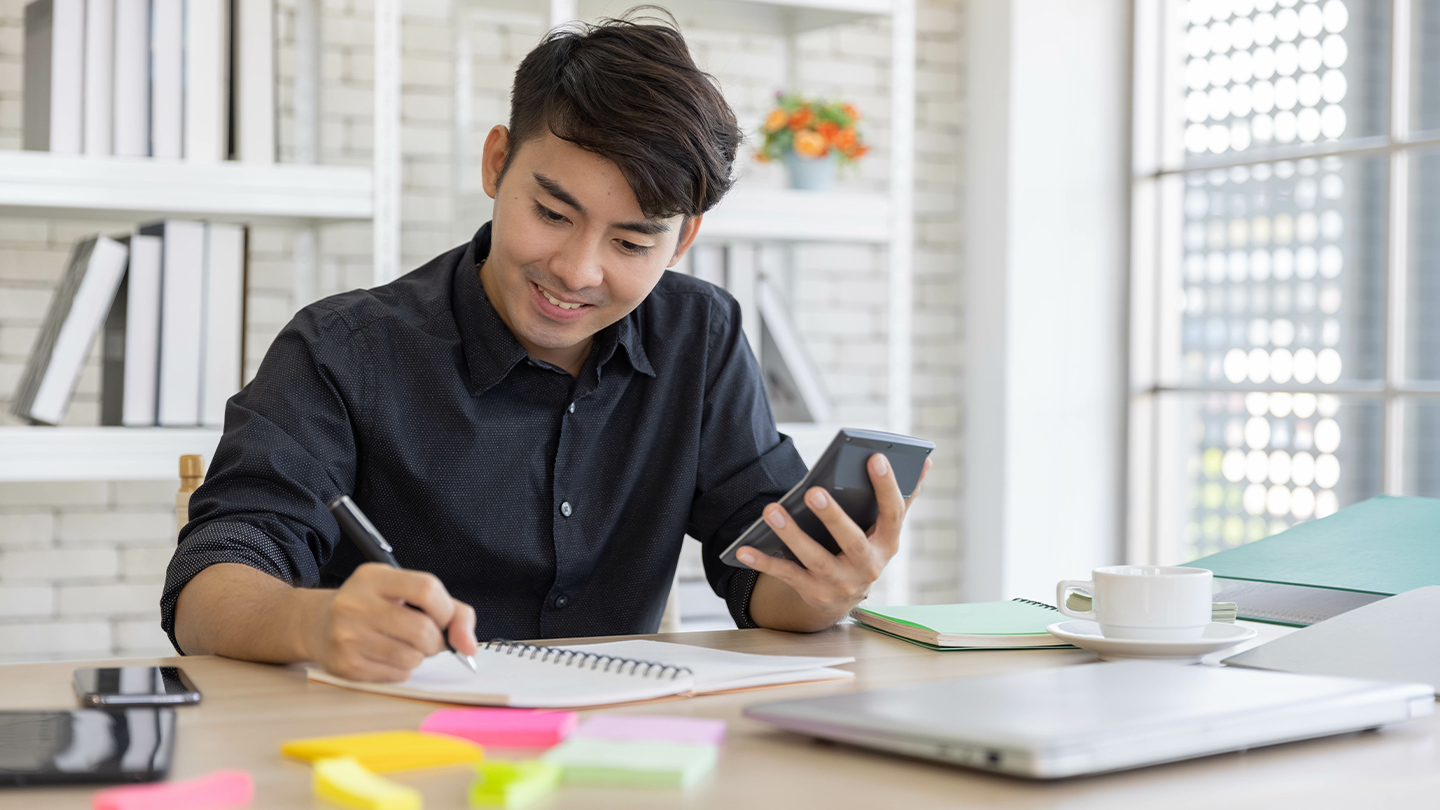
(367, 538)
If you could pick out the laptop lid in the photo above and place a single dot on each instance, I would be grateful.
(1066, 721)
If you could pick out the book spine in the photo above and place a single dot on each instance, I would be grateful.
(93, 296)
(254, 81)
(181, 305)
(207, 60)
(99, 77)
(167, 72)
(37, 365)
(142, 331)
(67, 78)
(132, 78)
(224, 302)
(112, 358)
(39, 40)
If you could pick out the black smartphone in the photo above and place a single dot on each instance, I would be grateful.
(134, 686)
(86, 746)
(841, 471)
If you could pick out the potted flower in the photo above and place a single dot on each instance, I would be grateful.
(813, 137)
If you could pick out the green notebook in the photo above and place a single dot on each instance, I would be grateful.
(1322, 568)
(1017, 624)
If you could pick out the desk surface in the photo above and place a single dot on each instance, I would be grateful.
(249, 709)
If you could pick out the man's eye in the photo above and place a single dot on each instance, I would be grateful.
(631, 247)
(548, 215)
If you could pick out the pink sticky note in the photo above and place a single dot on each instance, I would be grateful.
(693, 730)
(503, 728)
(217, 791)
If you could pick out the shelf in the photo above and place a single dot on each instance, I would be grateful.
(42, 184)
(746, 16)
(100, 453)
(802, 216)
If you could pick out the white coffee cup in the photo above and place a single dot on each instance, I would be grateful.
(1144, 601)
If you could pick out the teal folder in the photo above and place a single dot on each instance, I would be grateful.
(1321, 568)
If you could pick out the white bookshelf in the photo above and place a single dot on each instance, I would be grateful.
(774, 214)
(42, 184)
(99, 453)
(304, 194)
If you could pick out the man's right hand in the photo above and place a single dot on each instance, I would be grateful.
(365, 630)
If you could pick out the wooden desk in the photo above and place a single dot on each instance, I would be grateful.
(250, 708)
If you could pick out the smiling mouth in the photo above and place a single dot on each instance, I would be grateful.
(556, 301)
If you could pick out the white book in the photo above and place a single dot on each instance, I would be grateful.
(54, 83)
(167, 76)
(207, 80)
(594, 674)
(223, 320)
(254, 81)
(142, 332)
(74, 318)
(182, 275)
(99, 77)
(131, 88)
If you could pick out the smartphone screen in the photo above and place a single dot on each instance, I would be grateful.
(86, 746)
(134, 686)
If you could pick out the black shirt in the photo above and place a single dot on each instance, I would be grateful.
(555, 505)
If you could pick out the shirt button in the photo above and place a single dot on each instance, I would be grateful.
(572, 407)
(562, 600)
(565, 509)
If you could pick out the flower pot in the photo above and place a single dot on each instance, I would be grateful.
(811, 174)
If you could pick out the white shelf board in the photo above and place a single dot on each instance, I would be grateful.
(802, 216)
(747, 16)
(42, 184)
(100, 453)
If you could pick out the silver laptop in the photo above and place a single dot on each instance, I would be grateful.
(1091, 718)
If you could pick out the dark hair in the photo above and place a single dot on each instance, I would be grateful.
(627, 90)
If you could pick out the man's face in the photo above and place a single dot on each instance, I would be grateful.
(570, 250)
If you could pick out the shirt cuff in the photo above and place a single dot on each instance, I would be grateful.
(742, 588)
(211, 544)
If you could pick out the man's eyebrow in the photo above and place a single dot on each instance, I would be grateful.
(557, 191)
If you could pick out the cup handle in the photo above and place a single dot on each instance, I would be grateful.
(1062, 591)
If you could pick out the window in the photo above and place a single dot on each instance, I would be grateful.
(1285, 351)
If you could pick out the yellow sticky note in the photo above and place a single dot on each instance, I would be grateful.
(345, 781)
(512, 784)
(388, 751)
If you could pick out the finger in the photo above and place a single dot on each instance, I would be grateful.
(419, 588)
(462, 629)
(781, 569)
(383, 650)
(850, 537)
(891, 502)
(411, 626)
(814, 556)
(923, 471)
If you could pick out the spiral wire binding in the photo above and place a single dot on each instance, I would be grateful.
(580, 659)
(1036, 604)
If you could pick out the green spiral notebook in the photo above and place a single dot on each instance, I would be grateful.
(1013, 625)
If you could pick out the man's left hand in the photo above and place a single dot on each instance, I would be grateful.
(831, 584)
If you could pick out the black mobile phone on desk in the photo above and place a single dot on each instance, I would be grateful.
(85, 746)
(134, 686)
(843, 473)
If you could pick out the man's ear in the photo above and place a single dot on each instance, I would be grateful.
(492, 160)
(688, 232)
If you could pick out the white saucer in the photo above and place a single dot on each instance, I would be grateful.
(1086, 635)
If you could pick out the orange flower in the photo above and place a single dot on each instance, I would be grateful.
(776, 120)
(852, 112)
(828, 130)
(847, 140)
(810, 144)
(801, 119)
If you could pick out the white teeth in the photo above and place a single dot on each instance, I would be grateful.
(558, 303)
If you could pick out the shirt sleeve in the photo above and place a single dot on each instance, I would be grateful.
(745, 462)
(288, 447)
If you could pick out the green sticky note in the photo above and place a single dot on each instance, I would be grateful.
(633, 764)
(505, 784)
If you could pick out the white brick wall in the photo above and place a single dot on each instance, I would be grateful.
(81, 564)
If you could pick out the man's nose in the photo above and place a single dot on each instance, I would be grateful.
(578, 263)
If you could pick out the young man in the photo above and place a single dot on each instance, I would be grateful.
(533, 420)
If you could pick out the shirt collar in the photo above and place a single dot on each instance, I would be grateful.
(491, 350)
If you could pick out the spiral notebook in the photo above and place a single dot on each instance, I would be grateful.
(530, 676)
(1016, 624)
